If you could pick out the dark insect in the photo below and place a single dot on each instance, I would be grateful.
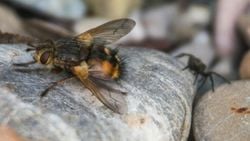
(197, 67)
(86, 57)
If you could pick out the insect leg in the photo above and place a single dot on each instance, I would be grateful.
(28, 70)
(30, 49)
(214, 73)
(202, 83)
(56, 70)
(185, 68)
(196, 77)
(45, 92)
(183, 54)
(212, 81)
(25, 64)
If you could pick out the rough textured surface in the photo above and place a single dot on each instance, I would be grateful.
(32, 123)
(159, 100)
(224, 115)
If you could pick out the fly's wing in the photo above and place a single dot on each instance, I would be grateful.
(45, 30)
(113, 98)
(107, 33)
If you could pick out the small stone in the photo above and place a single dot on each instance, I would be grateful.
(157, 21)
(169, 23)
(224, 115)
(113, 9)
(186, 24)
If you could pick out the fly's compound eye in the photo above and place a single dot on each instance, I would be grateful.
(45, 57)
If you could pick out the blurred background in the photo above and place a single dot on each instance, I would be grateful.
(216, 31)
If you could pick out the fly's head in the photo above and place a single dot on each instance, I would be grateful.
(44, 54)
(106, 64)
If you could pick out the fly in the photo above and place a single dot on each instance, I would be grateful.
(86, 57)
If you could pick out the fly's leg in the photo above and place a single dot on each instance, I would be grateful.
(45, 92)
(214, 73)
(212, 82)
(25, 64)
(28, 70)
(202, 83)
(56, 70)
(185, 68)
(196, 77)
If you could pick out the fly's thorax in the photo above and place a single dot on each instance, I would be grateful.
(106, 63)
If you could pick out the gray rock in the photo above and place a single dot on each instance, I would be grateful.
(168, 22)
(112, 9)
(69, 9)
(159, 98)
(31, 122)
(224, 115)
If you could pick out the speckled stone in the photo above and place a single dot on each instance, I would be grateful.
(159, 99)
(31, 122)
(224, 115)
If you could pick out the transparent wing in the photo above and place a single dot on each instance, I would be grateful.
(110, 95)
(107, 33)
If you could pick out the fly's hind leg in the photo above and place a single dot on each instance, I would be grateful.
(80, 71)
(45, 92)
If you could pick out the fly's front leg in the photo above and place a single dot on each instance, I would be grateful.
(28, 70)
(24, 64)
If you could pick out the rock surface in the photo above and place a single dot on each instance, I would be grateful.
(32, 123)
(224, 115)
(159, 101)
